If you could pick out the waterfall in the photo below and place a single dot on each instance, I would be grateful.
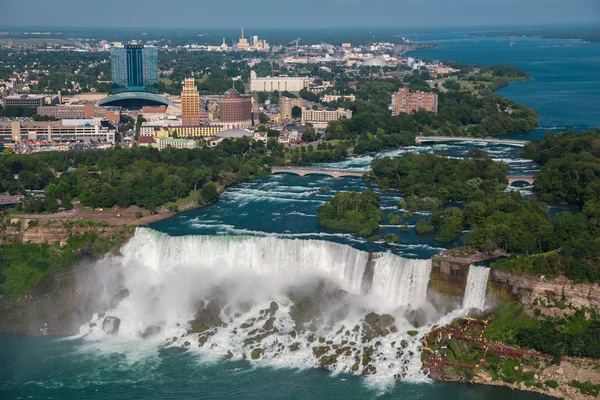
(367, 281)
(476, 287)
(161, 254)
(401, 281)
(235, 295)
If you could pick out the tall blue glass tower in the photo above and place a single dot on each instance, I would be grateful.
(134, 68)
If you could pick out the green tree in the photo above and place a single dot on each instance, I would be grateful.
(423, 227)
(309, 135)
(356, 212)
(209, 193)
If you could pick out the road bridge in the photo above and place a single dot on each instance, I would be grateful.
(436, 139)
(333, 172)
(338, 173)
(530, 179)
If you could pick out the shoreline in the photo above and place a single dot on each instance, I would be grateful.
(533, 371)
(502, 384)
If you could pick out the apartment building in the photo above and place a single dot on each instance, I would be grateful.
(403, 101)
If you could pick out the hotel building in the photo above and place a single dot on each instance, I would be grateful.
(190, 103)
(320, 118)
(403, 101)
(235, 110)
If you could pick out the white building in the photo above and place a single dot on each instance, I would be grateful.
(261, 136)
(328, 98)
(279, 83)
(320, 118)
(287, 137)
(163, 143)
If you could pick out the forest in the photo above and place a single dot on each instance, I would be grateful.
(570, 173)
(576, 333)
(356, 212)
(145, 177)
(467, 194)
(570, 167)
(439, 177)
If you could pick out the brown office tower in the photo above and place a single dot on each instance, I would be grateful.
(406, 102)
(286, 105)
(190, 103)
(235, 110)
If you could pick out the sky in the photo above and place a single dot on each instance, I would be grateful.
(299, 13)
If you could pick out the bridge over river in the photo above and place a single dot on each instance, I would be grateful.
(509, 142)
(340, 172)
(530, 179)
(333, 172)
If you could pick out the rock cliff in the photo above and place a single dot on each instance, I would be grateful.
(52, 231)
(529, 289)
(449, 279)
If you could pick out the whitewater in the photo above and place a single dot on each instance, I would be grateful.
(256, 292)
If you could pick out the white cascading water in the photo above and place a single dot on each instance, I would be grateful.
(278, 258)
(402, 281)
(475, 289)
(168, 277)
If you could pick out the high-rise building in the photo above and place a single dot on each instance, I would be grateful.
(235, 110)
(286, 105)
(190, 103)
(134, 68)
(403, 101)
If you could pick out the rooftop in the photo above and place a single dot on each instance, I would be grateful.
(139, 98)
(374, 62)
(234, 133)
(174, 140)
(26, 96)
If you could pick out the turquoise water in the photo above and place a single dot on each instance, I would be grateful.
(564, 88)
(284, 205)
(565, 81)
(47, 368)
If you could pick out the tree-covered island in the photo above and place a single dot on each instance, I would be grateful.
(352, 212)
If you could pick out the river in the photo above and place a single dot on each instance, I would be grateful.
(262, 214)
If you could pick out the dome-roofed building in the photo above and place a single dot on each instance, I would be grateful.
(235, 133)
(134, 100)
(374, 62)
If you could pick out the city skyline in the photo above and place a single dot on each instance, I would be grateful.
(332, 13)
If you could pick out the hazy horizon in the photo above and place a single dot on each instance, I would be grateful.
(268, 14)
